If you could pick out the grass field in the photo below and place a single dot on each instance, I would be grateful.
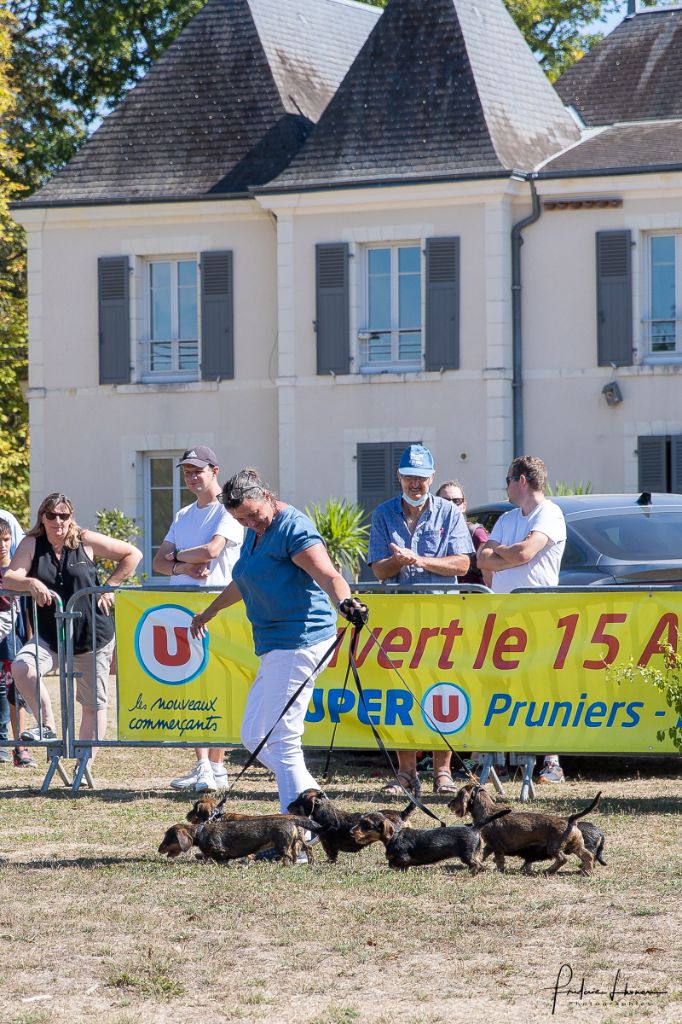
(95, 924)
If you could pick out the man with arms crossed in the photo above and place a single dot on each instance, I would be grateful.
(525, 548)
(200, 549)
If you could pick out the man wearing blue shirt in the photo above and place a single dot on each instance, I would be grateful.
(419, 538)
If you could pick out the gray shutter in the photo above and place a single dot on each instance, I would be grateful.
(676, 464)
(377, 482)
(217, 316)
(442, 303)
(333, 317)
(114, 319)
(652, 458)
(614, 298)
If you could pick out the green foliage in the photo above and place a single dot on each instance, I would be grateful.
(563, 487)
(114, 523)
(666, 679)
(13, 323)
(340, 524)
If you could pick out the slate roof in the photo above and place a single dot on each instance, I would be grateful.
(622, 149)
(633, 74)
(224, 108)
(441, 88)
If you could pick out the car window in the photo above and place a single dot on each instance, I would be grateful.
(572, 555)
(638, 536)
(486, 519)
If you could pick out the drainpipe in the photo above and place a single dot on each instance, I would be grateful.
(517, 353)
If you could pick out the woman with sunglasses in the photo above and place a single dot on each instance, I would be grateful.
(291, 592)
(58, 556)
(453, 491)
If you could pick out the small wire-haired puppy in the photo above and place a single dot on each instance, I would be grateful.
(593, 838)
(338, 824)
(527, 834)
(223, 840)
(412, 847)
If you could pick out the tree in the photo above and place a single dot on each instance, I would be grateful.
(555, 29)
(341, 525)
(13, 416)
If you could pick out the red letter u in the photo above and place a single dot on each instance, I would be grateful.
(182, 651)
(439, 712)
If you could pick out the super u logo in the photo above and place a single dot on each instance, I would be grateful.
(165, 647)
(446, 708)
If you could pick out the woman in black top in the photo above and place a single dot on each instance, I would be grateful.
(57, 555)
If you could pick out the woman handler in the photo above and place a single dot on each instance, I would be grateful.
(291, 590)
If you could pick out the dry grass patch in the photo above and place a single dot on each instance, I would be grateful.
(100, 924)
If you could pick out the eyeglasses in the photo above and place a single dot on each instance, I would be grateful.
(456, 501)
(508, 479)
(62, 516)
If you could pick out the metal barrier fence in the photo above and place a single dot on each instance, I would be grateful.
(57, 748)
(68, 745)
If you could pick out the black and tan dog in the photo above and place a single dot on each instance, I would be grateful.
(526, 834)
(224, 840)
(338, 824)
(413, 847)
(593, 838)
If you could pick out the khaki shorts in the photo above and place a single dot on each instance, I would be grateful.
(82, 668)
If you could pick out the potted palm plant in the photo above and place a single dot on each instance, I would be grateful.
(341, 526)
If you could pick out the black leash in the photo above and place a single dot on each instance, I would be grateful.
(253, 756)
(325, 772)
(442, 735)
(412, 797)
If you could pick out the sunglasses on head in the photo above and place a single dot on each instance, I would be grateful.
(235, 498)
(62, 516)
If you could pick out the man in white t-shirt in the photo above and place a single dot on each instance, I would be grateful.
(525, 548)
(200, 549)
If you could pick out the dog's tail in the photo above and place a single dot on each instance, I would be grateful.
(492, 817)
(581, 814)
(407, 811)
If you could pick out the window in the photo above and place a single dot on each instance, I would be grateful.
(665, 266)
(392, 339)
(172, 330)
(659, 458)
(165, 494)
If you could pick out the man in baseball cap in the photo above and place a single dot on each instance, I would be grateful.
(419, 538)
(200, 549)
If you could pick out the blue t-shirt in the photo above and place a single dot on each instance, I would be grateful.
(285, 606)
(441, 531)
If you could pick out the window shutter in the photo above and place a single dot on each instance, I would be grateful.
(333, 318)
(114, 319)
(614, 298)
(217, 316)
(442, 303)
(652, 460)
(676, 464)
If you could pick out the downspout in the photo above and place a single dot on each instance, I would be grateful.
(517, 347)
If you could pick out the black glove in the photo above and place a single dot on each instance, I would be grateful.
(353, 610)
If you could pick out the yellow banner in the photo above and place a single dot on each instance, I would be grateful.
(514, 672)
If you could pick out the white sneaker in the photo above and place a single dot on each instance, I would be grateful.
(206, 782)
(220, 776)
(190, 780)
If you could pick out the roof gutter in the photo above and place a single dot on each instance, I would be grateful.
(517, 339)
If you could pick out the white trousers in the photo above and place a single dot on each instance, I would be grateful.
(279, 676)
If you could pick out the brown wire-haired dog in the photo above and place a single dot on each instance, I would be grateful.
(593, 838)
(223, 840)
(338, 824)
(527, 834)
(413, 847)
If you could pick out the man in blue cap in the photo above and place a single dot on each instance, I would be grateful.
(417, 537)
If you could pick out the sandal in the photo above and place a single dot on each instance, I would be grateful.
(405, 781)
(443, 782)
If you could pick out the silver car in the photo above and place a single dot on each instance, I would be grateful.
(624, 539)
